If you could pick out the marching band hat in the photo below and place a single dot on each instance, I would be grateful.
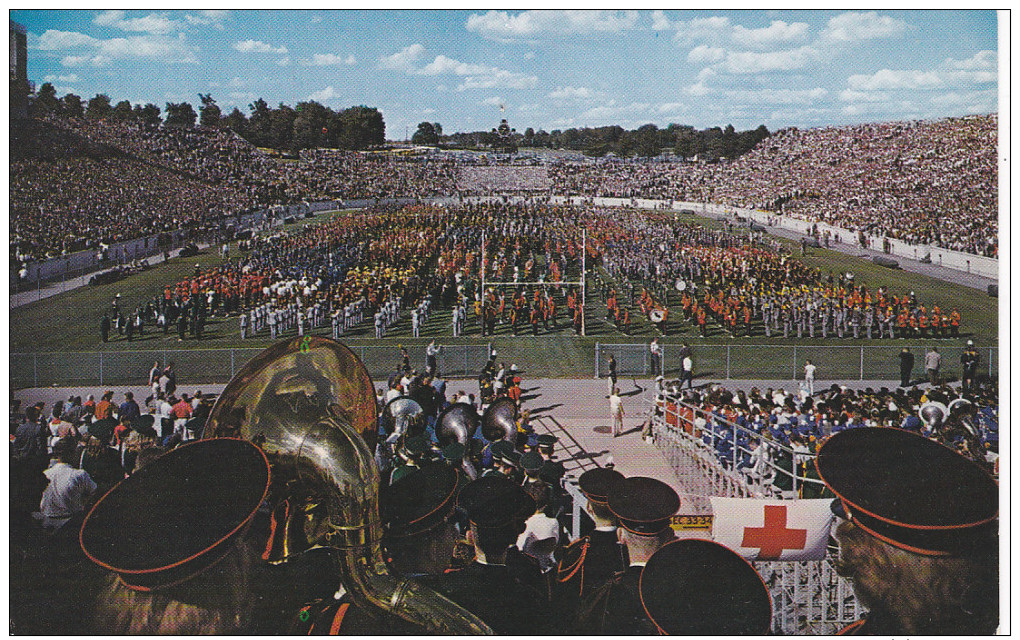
(454, 452)
(596, 483)
(415, 445)
(155, 538)
(495, 501)
(547, 440)
(551, 472)
(412, 506)
(103, 429)
(908, 491)
(643, 505)
(532, 462)
(510, 457)
(143, 425)
(699, 587)
(500, 447)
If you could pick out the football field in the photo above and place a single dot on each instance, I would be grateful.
(68, 325)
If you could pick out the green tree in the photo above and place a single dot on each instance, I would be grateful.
(281, 126)
(150, 115)
(72, 106)
(46, 100)
(259, 124)
(237, 122)
(181, 115)
(361, 128)
(312, 125)
(98, 107)
(425, 135)
(122, 111)
(210, 111)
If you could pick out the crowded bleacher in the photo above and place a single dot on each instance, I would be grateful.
(920, 182)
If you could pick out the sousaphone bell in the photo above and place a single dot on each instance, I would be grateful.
(500, 421)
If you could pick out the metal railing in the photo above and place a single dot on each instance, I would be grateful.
(786, 362)
(808, 598)
(205, 366)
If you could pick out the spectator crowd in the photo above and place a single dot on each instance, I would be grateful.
(78, 183)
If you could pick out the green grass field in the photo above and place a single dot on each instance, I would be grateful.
(70, 323)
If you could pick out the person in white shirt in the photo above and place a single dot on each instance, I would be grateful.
(541, 533)
(809, 376)
(616, 411)
(70, 490)
(688, 372)
(655, 349)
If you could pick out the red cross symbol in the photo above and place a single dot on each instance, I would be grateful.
(774, 536)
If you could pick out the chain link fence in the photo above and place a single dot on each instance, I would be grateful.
(786, 362)
(205, 366)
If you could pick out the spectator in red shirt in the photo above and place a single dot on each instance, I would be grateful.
(104, 409)
(182, 410)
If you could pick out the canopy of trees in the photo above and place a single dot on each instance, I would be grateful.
(646, 140)
(311, 125)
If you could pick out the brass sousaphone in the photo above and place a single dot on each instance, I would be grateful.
(309, 403)
(500, 421)
(458, 423)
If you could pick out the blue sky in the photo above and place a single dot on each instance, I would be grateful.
(550, 69)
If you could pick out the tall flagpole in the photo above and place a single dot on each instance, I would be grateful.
(584, 276)
(484, 296)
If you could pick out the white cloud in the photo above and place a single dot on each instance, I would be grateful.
(850, 27)
(502, 25)
(850, 95)
(213, 17)
(889, 79)
(329, 60)
(700, 88)
(974, 101)
(745, 62)
(257, 46)
(573, 93)
(316, 19)
(283, 62)
(660, 22)
(494, 101)
(428, 111)
(329, 93)
(980, 60)
(706, 54)
(476, 76)
(174, 50)
(778, 32)
(157, 23)
(71, 78)
(403, 60)
(894, 79)
(443, 65)
(712, 29)
(53, 40)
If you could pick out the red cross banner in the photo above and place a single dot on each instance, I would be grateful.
(790, 530)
